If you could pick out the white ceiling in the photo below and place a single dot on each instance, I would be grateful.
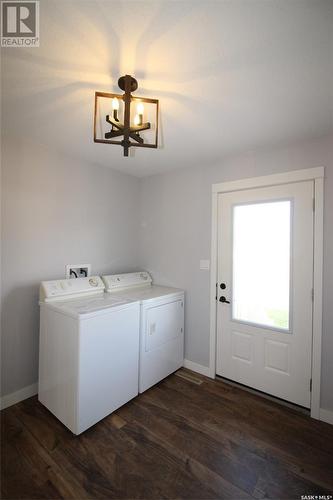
(231, 76)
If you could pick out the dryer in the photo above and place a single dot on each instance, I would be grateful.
(89, 351)
(161, 324)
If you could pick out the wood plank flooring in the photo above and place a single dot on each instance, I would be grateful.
(180, 439)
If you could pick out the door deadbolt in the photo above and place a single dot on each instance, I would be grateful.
(223, 299)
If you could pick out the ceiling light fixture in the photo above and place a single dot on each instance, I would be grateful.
(127, 118)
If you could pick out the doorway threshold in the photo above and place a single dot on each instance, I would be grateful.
(274, 399)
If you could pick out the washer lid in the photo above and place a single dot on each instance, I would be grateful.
(89, 305)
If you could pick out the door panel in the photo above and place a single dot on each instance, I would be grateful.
(265, 267)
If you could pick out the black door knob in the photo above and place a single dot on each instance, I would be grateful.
(223, 286)
(223, 299)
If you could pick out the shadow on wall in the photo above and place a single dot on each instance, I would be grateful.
(20, 316)
(78, 56)
(229, 76)
(86, 48)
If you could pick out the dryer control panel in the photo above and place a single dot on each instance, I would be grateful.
(115, 282)
(61, 289)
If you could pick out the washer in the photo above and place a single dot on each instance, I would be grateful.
(161, 324)
(89, 351)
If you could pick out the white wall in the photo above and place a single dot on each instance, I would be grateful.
(56, 211)
(176, 231)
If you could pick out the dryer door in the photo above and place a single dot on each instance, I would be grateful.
(162, 341)
(163, 323)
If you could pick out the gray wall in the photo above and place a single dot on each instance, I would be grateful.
(59, 207)
(48, 222)
(176, 231)
(56, 211)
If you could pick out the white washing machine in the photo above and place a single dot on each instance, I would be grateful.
(161, 324)
(89, 351)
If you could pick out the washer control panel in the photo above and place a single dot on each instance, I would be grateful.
(60, 289)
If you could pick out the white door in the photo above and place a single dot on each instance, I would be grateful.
(264, 289)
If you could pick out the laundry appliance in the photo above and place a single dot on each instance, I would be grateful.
(89, 350)
(161, 324)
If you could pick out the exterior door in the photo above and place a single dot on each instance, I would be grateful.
(265, 289)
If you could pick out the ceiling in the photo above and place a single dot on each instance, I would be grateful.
(231, 76)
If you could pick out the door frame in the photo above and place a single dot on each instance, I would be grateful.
(317, 176)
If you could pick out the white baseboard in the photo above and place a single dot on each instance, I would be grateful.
(195, 367)
(16, 397)
(326, 416)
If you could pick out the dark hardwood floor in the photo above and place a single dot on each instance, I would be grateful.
(180, 439)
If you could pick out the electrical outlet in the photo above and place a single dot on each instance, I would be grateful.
(78, 270)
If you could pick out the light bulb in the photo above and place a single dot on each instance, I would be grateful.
(136, 120)
(140, 108)
(115, 103)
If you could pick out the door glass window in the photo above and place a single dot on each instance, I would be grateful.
(261, 264)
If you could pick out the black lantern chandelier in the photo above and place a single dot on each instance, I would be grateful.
(125, 124)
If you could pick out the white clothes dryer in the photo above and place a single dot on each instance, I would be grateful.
(161, 324)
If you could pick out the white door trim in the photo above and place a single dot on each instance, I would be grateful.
(317, 175)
